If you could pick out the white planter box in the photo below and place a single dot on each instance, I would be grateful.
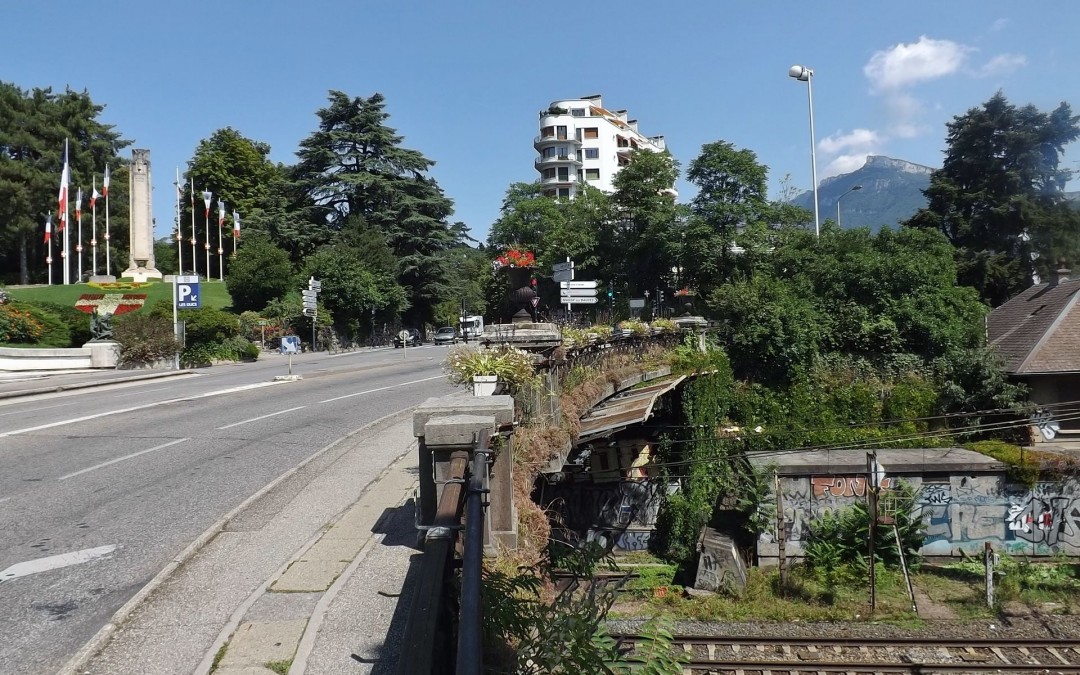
(484, 385)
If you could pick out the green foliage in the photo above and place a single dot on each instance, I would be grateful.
(350, 288)
(76, 321)
(19, 325)
(208, 325)
(260, 273)
(144, 338)
(1022, 467)
(841, 538)
(999, 196)
(235, 348)
(512, 366)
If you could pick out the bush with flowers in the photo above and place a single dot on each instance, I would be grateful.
(663, 324)
(635, 326)
(513, 367)
(514, 258)
(19, 325)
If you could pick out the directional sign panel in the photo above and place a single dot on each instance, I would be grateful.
(562, 267)
(563, 276)
(187, 296)
(577, 292)
(189, 279)
(576, 300)
(578, 284)
(309, 294)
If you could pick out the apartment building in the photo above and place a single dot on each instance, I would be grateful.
(582, 142)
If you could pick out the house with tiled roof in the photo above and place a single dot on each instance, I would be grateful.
(1037, 333)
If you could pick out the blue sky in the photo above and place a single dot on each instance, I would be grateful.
(464, 80)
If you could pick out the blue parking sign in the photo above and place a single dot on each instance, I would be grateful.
(187, 296)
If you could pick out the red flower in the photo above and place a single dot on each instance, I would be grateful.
(515, 258)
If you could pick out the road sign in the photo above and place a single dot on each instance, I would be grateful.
(187, 296)
(563, 276)
(578, 284)
(189, 279)
(309, 293)
(314, 285)
(637, 303)
(310, 311)
(576, 300)
(578, 292)
(535, 301)
(562, 267)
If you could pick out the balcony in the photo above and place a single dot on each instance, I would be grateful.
(544, 141)
(556, 160)
(568, 180)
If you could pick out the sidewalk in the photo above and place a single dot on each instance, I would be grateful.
(308, 574)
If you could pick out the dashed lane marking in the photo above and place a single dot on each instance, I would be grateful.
(261, 417)
(392, 386)
(54, 562)
(121, 459)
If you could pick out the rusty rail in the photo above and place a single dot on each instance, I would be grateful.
(427, 638)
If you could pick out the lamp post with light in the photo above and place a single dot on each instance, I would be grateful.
(853, 188)
(804, 74)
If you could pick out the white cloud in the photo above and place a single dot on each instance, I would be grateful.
(1002, 64)
(858, 139)
(844, 164)
(903, 110)
(906, 64)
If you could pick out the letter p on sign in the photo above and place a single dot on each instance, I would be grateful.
(187, 296)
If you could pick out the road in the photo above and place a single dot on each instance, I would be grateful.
(100, 488)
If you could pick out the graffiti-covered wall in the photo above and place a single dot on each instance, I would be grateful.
(961, 512)
(620, 514)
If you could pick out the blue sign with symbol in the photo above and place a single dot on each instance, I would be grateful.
(187, 296)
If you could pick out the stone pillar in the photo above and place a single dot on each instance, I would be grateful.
(141, 265)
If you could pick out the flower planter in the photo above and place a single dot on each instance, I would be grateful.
(484, 385)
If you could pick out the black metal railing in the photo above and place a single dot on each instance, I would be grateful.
(470, 660)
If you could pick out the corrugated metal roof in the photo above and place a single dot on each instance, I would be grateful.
(621, 410)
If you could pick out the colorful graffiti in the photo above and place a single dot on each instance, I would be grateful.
(843, 486)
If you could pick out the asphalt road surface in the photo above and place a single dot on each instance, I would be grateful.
(100, 488)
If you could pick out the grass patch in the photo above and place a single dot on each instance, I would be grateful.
(960, 590)
(1023, 465)
(279, 667)
(218, 656)
(214, 294)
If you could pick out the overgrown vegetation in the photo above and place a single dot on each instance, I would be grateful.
(144, 338)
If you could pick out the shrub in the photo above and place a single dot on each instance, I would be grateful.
(76, 321)
(144, 338)
(635, 326)
(664, 324)
(17, 324)
(207, 325)
(512, 366)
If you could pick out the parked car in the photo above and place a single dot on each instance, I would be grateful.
(408, 337)
(447, 335)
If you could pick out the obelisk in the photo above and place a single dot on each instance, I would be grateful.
(141, 266)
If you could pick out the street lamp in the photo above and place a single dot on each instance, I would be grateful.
(804, 74)
(852, 189)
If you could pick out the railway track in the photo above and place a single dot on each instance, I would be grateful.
(755, 655)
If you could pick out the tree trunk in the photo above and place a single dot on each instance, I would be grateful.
(24, 273)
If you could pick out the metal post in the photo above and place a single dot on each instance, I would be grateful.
(175, 324)
(470, 644)
(781, 554)
(871, 499)
(988, 561)
(813, 152)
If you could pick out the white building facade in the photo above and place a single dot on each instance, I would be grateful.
(582, 142)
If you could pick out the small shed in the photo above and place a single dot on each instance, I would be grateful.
(964, 497)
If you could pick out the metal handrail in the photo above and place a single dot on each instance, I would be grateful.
(470, 660)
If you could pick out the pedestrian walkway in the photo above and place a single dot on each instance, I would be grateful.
(309, 574)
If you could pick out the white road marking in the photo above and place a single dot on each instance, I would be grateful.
(54, 562)
(392, 386)
(261, 417)
(121, 411)
(4, 499)
(120, 459)
(31, 410)
(140, 393)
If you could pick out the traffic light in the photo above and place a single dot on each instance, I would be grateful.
(661, 298)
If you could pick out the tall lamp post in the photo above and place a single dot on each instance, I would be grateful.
(804, 74)
(853, 188)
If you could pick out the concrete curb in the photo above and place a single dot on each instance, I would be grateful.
(87, 385)
(97, 643)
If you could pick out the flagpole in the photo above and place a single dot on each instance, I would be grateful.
(220, 250)
(65, 246)
(78, 218)
(93, 230)
(194, 257)
(179, 233)
(236, 231)
(206, 245)
(105, 192)
(48, 245)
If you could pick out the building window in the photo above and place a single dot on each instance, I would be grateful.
(592, 153)
(560, 133)
(549, 193)
(564, 174)
(549, 152)
(564, 193)
(549, 174)
(592, 174)
(577, 112)
(564, 153)
(547, 132)
(592, 132)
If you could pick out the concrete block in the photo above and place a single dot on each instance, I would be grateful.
(104, 354)
(501, 407)
(309, 576)
(456, 429)
(257, 642)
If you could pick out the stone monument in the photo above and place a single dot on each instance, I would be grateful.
(141, 266)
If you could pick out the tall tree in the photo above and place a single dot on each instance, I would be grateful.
(33, 126)
(644, 206)
(999, 196)
(354, 169)
(552, 229)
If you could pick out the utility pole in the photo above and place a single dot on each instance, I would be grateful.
(872, 504)
(781, 531)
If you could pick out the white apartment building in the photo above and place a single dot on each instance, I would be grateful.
(582, 142)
